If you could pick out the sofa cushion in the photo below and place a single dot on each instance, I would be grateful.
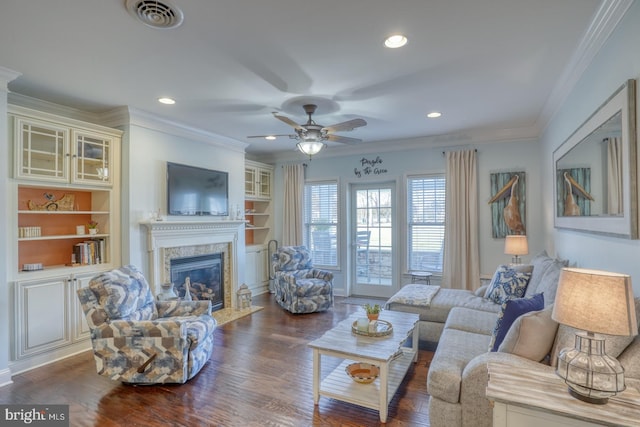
(630, 359)
(541, 263)
(511, 310)
(531, 335)
(443, 302)
(509, 282)
(455, 350)
(470, 320)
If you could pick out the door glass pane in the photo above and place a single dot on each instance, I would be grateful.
(374, 237)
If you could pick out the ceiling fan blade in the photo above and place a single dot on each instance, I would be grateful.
(276, 135)
(288, 121)
(343, 139)
(346, 126)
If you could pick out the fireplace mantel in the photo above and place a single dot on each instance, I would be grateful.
(171, 234)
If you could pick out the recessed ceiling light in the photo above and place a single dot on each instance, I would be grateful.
(395, 41)
(270, 137)
(168, 101)
(434, 114)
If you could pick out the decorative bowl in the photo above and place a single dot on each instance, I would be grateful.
(364, 373)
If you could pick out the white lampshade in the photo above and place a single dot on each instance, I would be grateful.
(310, 148)
(596, 301)
(593, 301)
(516, 245)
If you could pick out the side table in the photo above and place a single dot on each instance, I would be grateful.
(421, 276)
(537, 397)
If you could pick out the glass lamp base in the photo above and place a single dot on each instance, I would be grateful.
(592, 375)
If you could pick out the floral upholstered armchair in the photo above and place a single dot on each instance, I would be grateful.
(138, 340)
(300, 288)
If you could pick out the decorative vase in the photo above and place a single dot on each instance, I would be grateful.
(168, 293)
(372, 316)
(93, 231)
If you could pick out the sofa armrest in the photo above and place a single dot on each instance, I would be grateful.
(476, 408)
(175, 308)
(159, 328)
(320, 274)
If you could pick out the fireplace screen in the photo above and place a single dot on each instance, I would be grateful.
(201, 276)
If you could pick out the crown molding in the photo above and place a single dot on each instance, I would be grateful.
(128, 116)
(604, 22)
(7, 75)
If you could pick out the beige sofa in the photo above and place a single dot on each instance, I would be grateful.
(462, 323)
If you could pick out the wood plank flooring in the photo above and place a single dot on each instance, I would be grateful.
(259, 375)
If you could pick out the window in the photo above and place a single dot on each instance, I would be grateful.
(321, 222)
(426, 213)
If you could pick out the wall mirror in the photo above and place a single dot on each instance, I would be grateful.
(595, 171)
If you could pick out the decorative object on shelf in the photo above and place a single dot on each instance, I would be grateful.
(516, 245)
(168, 293)
(65, 203)
(373, 328)
(593, 301)
(32, 267)
(93, 227)
(29, 232)
(363, 373)
(80, 230)
(373, 311)
(187, 289)
(244, 297)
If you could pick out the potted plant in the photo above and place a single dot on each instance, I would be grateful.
(93, 227)
(373, 311)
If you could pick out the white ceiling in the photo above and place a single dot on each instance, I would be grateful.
(490, 66)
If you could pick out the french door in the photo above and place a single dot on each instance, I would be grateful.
(373, 236)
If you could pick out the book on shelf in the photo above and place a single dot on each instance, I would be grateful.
(90, 251)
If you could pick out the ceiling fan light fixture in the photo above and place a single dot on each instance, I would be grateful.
(310, 148)
(167, 101)
(395, 41)
(270, 137)
(434, 114)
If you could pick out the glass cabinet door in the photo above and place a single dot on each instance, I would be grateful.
(41, 150)
(250, 182)
(92, 158)
(264, 189)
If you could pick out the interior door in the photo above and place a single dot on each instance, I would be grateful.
(373, 261)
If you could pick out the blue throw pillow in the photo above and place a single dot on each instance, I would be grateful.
(511, 310)
(509, 282)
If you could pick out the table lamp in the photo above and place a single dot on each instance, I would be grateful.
(595, 302)
(516, 245)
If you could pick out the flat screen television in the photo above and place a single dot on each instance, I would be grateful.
(197, 191)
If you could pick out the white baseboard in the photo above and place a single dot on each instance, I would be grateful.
(5, 377)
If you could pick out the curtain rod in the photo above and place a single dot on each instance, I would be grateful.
(444, 152)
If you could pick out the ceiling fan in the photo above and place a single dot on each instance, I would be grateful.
(311, 136)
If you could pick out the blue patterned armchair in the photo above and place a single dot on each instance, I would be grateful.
(300, 288)
(138, 340)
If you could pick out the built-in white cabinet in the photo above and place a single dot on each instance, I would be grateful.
(257, 271)
(65, 181)
(258, 178)
(48, 314)
(46, 149)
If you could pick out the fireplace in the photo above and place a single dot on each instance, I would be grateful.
(203, 275)
(168, 240)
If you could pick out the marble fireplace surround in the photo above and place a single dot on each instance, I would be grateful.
(177, 239)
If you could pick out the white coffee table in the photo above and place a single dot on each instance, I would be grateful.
(388, 352)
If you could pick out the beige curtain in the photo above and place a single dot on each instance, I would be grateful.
(461, 258)
(292, 221)
(614, 176)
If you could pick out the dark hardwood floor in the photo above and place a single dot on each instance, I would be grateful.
(260, 374)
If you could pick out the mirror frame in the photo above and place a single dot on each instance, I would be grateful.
(626, 225)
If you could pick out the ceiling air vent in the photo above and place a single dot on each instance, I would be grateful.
(156, 14)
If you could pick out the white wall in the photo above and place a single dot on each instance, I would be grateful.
(617, 61)
(145, 154)
(492, 157)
